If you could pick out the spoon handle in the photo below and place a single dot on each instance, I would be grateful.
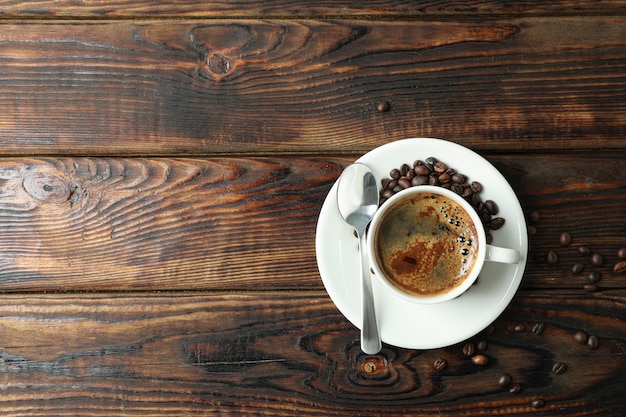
(370, 339)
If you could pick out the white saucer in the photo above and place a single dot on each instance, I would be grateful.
(417, 326)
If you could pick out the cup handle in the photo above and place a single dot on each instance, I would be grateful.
(501, 255)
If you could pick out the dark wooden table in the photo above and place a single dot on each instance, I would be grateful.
(162, 169)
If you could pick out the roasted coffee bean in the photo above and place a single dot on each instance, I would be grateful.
(444, 178)
(386, 193)
(590, 288)
(458, 179)
(419, 180)
(558, 368)
(534, 216)
(596, 259)
(457, 188)
(584, 250)
(538, 403)
(489, 330)
(439, 166)
(552, 257)
(431, 160)
(467, 193)
(593, 277)
(620, 268)
(421, 170)
(395, 174)
(384, 182)
(505, 380)
(476, 186)
(538, 328)
(592, 342)
(439, 364)
(515, 389)
(621, 253)
(577, 268)
(392, 184)
(480, 360)
(397, 188)
(433, 180)
(410, 174)
(519, 328)
(580, 337)
(491, 207)
(404, 183)
(404, 168)
(485, 217)
(489, 238)
(496, 223)
(481, 345)
(468, 349)
(565, 239)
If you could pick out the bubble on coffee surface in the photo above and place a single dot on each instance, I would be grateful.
(426, 244)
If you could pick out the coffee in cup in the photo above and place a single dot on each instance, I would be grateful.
(428, 244)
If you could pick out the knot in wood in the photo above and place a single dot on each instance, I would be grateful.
(373, 367)
(218, 64)
(47, 187)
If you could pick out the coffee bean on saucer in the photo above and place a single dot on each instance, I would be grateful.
(621, 253)
(620, 267)
(592, 342)
(505, 380)
(552, 257)
(558, 368)
(480, 360)
(439, 364)
(594, 277)
(577, 268)
(580, 337)
(496, 223)
(491, 207)
(468, 349)
(596, 259)
(565, 239)
(584, 250)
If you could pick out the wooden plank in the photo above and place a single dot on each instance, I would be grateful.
(87, 224)
(294, 354)
(291, 8)
(265, 86)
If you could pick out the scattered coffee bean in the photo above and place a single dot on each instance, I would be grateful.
(439, 364)
(538, 403)
(552, 257)
(596, 259)
(592, 342)
(621, 253)
(515, 389)
(480, 360)
(481, 345)
(534, 216)
(468, 349)
(590, 288)
(580, 337)
(558, 368)
(565, 239)
(532, 230)
(593, 277)
(584, 250)
(519, 328)
(383, 106)
(505, 380)
(620, 267)
(578, 268)
(538, 328)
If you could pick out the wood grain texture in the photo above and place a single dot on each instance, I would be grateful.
(301, 8)
(294, 354)
(163, 87)
(85, 224)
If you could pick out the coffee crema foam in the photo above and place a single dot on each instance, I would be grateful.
(427, 244)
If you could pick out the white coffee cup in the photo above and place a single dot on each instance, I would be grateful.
(432, 252)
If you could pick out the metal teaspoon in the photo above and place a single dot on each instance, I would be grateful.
(357, 200)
